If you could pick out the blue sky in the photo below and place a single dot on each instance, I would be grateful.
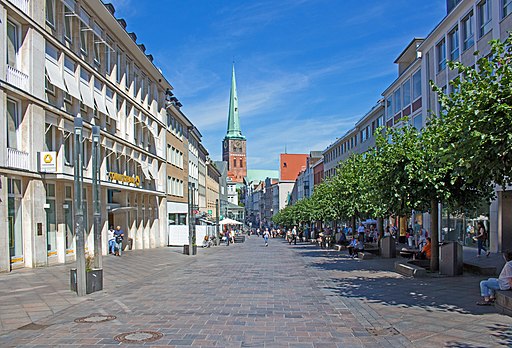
(306, 70)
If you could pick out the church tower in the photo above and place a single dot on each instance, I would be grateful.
(233, 145)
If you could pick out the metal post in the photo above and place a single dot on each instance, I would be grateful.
(217, 226)
(191, 219)
(98, 250)
(79, 214)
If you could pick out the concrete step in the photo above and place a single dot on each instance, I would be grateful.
(405, 268)
(504, 302)
(480, 269)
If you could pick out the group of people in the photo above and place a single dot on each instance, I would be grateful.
(115, 240)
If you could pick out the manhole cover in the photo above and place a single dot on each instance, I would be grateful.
(33, 326)
(95, 318)
(138, 337)
(388, 331)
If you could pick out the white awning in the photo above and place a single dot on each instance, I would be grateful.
(86, 93)
(145, 170)
(112, 111)
(70, 4)
(55, 75)
(72, 85)
(153, 172)
(100, 102)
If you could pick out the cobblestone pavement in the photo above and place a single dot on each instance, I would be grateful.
(249, 295)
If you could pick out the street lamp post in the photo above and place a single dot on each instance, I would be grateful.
(217, 226)
(98, 261)
(191, 219)
(79, 214)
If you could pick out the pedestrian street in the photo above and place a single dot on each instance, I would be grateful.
(249, 295)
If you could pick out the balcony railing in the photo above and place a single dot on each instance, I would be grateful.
(17, 159)
(21, 4)
(17, 78)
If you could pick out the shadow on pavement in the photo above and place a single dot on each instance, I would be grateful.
(375, 281)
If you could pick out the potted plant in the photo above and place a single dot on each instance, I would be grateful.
(93, 276)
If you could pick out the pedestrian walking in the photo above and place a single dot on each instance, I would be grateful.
(111, 239)
(266, 234)
(481, 239)
(119, 235)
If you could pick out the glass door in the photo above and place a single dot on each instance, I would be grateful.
(14, 217)
(51, 221)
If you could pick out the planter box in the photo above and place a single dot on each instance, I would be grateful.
(186, 250)
(93, 280)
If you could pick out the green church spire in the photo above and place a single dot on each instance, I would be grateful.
(234, 131)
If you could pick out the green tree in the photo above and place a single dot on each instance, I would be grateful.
(478, 117)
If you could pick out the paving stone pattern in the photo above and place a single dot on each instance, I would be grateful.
(249, 295)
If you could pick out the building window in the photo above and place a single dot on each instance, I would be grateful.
(50, 12)
(441, 55)
(13, 123)
(68, 23)
(389, 108)
(468, 32)
(49, 138)
(397, 101)
(127, 74)
(484, 17)
(507, 7)
(118, 67)
(416, 85)
(68, 148)
(406, 91)
(12, 44)
(454, 43)
(49, 88)
(97, 51)
(418, 122)
(241, 165)
(83, 39)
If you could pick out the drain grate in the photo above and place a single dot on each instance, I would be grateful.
(33, 326)
(138, 337)
(95, 318)
(387, 331)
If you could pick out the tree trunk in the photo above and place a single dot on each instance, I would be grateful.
(434, 235)
(380, 227)
(353, 224)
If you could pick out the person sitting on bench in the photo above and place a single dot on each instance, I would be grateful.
(355, 246)
(426, 251)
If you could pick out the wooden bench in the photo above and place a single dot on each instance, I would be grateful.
(339, 247)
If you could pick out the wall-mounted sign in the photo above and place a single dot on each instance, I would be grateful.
(48, 161)
(125, 179)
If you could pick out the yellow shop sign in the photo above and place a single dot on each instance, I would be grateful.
(124, 178)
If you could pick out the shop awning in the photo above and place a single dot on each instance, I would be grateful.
(54, 75)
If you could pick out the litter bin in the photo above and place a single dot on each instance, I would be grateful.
(388, 247)
(451, 262)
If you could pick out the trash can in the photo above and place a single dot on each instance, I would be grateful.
(388, 247)
(451, 262)
(187, 251)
